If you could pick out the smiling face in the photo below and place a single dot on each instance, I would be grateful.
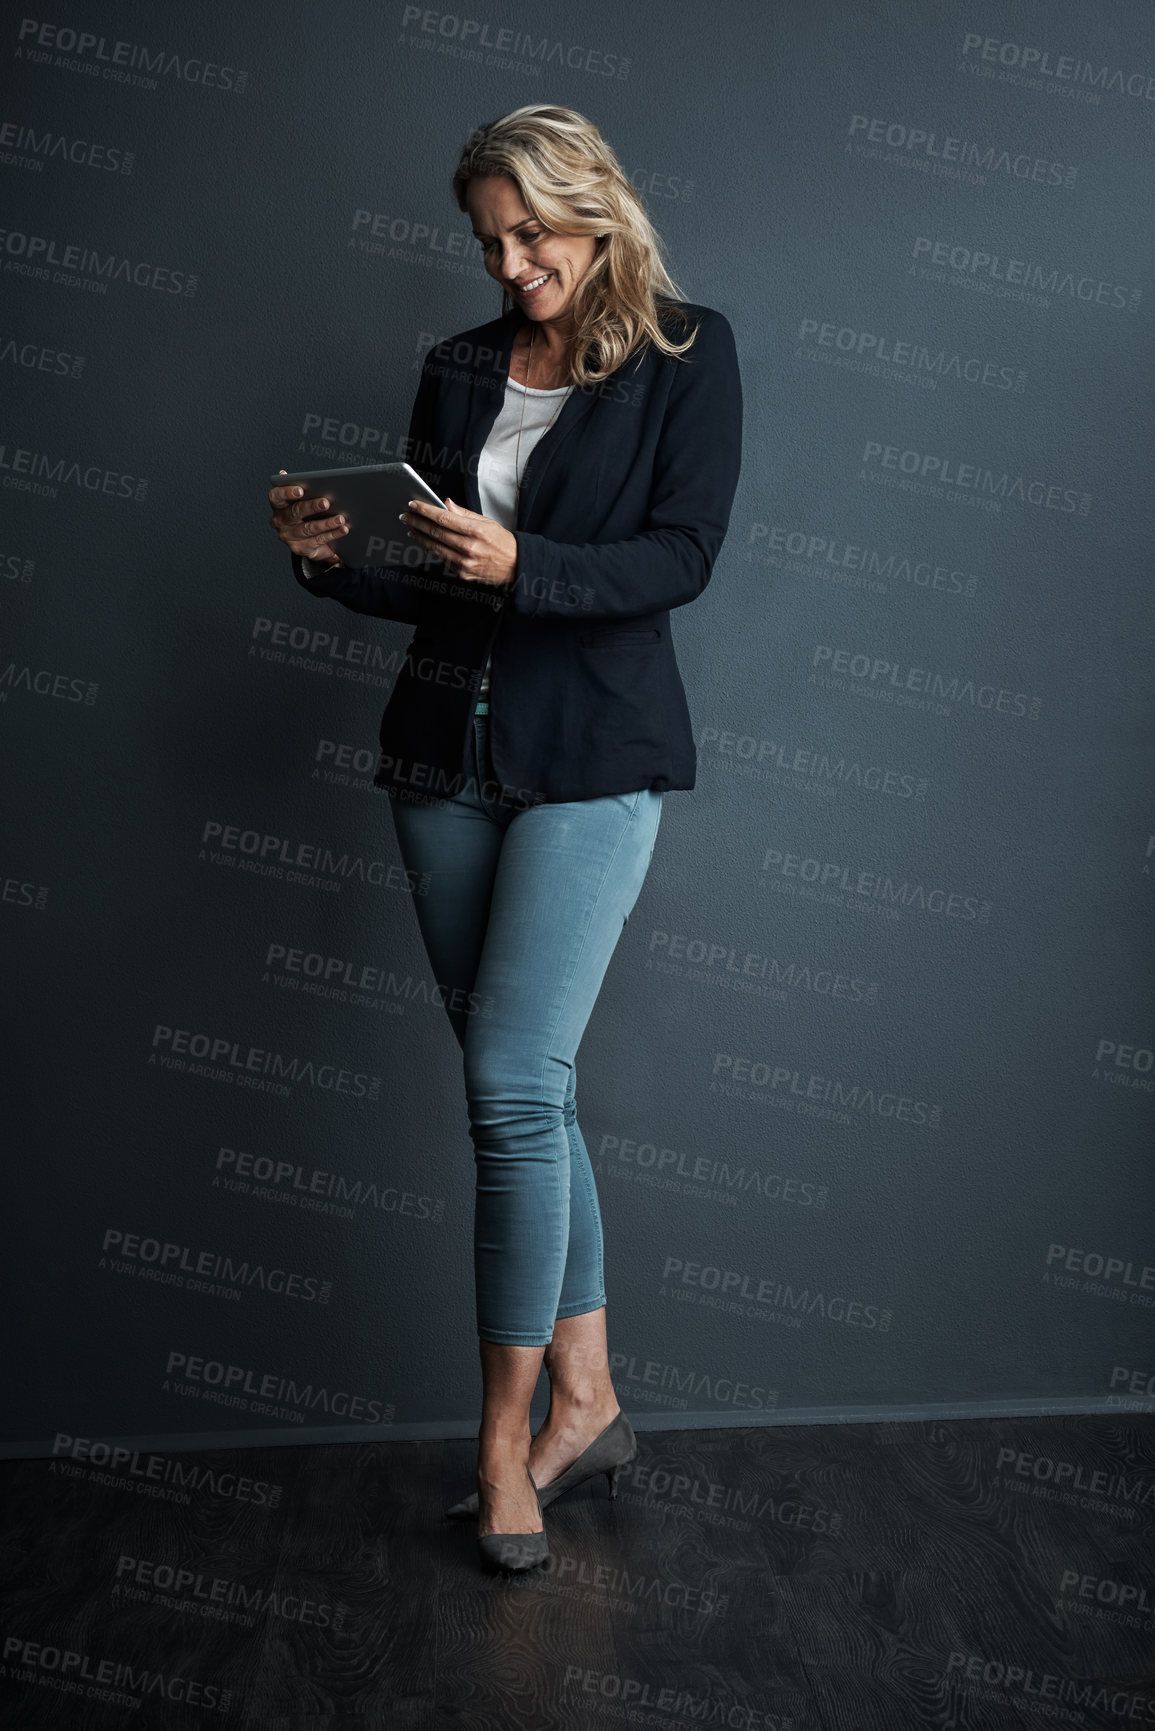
(519, 251)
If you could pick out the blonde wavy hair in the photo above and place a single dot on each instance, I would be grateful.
(571, 181)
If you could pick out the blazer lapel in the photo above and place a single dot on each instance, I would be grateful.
(578, 403)
(485, 398)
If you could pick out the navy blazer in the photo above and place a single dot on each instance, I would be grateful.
(624, 505)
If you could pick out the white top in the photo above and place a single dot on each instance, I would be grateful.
(496, 483)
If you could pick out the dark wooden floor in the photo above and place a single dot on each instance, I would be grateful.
(970, 1574)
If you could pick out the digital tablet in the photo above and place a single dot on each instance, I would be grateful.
(372, 498)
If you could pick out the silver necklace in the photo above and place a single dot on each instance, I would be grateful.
(517, 453)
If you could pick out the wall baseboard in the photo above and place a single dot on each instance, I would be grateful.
(450, 1430)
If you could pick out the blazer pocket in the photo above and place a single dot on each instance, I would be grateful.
(609, 637)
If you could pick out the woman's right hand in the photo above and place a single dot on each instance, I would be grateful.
(303, 526)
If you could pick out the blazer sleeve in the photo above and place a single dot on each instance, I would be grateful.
(391, 592)
(696, 468)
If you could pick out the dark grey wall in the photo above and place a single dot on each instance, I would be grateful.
(869, 1088)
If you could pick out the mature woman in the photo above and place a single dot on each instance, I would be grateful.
(587, 444)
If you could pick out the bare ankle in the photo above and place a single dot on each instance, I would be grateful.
(577, 1402)
(578, 1366)
(503, 1445)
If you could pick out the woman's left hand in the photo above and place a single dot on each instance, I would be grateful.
(474, 547)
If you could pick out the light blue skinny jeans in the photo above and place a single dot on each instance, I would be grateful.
(524, 908)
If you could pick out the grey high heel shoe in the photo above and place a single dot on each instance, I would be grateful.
(515, 1550)
(609, 1452)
